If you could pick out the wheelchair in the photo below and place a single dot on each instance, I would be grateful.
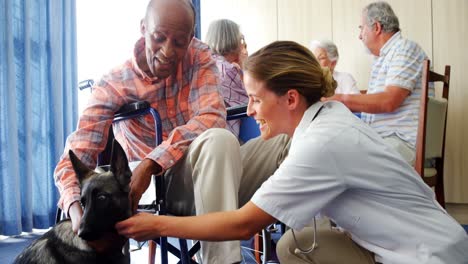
(248, 130)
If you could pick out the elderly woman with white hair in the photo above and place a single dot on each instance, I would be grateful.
(326, 53)
(229, 51)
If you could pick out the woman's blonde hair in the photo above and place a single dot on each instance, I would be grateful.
(285, 65)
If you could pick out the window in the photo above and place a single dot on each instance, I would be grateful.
(106, 33)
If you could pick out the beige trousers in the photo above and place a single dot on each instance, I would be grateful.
(334, 247)
(216, 174)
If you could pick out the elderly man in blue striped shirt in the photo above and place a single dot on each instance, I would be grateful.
(391, 104)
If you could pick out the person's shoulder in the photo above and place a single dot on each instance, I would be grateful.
(338, 125)
(228, 66)
(346, 83)
(198, 52)
(220, 60)
(343, 75)
(119, 73)
(196, 46)
(330, 118)
(320, 136)
(405, 45)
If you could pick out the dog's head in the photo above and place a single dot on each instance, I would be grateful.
(104, 195)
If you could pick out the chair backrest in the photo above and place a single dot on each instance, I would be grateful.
(248, 129)
(430, 142)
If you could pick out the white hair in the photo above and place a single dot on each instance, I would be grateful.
(328, 46)
(223, 36)
(383, 13)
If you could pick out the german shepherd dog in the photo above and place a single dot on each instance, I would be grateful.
(104, 197)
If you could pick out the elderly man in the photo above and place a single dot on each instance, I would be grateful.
(392, 100)
(176, 74)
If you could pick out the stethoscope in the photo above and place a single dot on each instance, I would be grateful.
(298, 249)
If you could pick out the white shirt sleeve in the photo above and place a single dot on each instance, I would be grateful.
(346, 83)
(304, 183)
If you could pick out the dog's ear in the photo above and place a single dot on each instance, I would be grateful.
(80, 169)
(119, 165)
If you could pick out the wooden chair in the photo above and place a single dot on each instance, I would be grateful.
(430, 142)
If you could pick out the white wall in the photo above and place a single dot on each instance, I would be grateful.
(439, 26)
(106, 32)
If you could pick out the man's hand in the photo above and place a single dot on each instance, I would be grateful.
(75, 212)
(141, 179)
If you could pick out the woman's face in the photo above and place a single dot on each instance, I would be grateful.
(322, 57)
(243, 54)
(267, 108)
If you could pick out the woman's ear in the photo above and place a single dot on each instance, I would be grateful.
(293, 98)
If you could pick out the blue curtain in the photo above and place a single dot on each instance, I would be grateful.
(38, 108)
(196, 4)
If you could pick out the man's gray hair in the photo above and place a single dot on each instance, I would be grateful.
(383, 13)
(328, 46)
(223, 36)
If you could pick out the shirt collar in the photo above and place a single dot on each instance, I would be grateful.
(139, 50)
(388, 45)
(307, 118)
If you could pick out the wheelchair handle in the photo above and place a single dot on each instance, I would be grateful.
(132, 108)
(235, 112)
(85, 84)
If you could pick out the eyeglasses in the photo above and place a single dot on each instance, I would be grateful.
(243, 43)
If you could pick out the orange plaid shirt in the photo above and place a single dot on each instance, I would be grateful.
(188, 102)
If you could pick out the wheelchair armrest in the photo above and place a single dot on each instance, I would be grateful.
(236, 112)
(132, 109)
(85, 84)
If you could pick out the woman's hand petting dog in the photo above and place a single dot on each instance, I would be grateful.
(140, 227)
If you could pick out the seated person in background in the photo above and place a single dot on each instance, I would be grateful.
(230, 50)
(385, 208)
(259, 157)
(327, 55)
(391, 105)
(177, 75)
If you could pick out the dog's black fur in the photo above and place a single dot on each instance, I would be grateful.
(104, 197)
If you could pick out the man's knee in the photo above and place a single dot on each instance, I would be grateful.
(285, 247)
(219, 135)
(217, 141)
(329, 242)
